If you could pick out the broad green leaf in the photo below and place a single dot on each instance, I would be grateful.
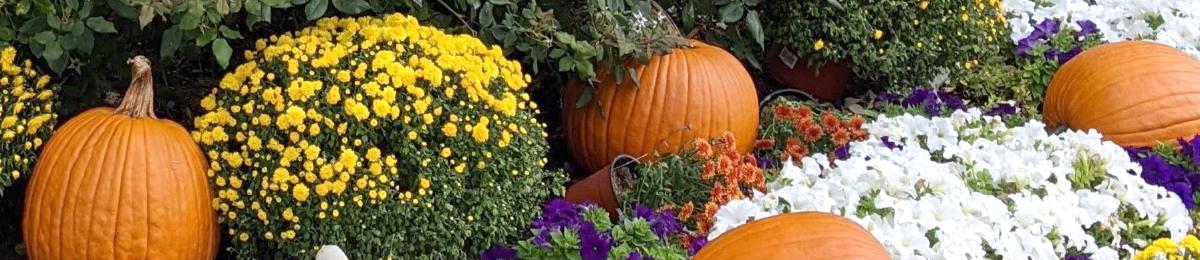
(86, 9)
(53, 51)
(731, 13)
(86, 42)
(98, 24)
(275, 3)
(58, 65)
(6, 34)
(556, 53)
(486, 18)
(254, 7)
(45, 37)
(566, 63)
(222, 7)
(752, 2)
(315, 9)
(145, 16)
(351, 6)
(205, 37)
(54, 21)
(585, 67)
(755, 28)
(222, 52)
(189, 21)
(171, 39)
(122, 9)
(230, 33)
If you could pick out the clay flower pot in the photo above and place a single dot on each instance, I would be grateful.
(826, 83)
(602, 187)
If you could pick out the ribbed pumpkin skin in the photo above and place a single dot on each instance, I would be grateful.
(796, 236)
(1135, 93)
(699, 92)
(109, 186)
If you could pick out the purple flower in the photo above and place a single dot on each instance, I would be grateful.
(1047, 27)
(932, 107)
(697, 244)
(888, 143)
(557, 214)
(1086, 27)
(1066, 56)
(1156, 170)
(663, 224)
(1077, 257)
(952, 102)
(1052, 54)
(765, 163)
(499, 253)
(637, 256)
(1191, 149)
(1024, 46)
(842, 152)
(643, 212)
(593, 245)
(918, 97)
(1002, 110)
(886, 97)
(542, 238)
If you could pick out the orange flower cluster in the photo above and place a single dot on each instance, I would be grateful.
(809, 129)
(731, 174)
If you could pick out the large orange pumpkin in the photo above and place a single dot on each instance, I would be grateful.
(121, 184)
(1135, 93)
(796, 236)
(698, 92)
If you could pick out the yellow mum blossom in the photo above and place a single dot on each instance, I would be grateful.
(819, 44)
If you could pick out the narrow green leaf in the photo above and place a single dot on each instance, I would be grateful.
(755, 28)
(98, 24)
(315, 9)
(584, 97)
(222, 52)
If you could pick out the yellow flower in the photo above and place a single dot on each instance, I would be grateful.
(878, 34)
(424, 183)
(288, 214)
(450, 129)
(820, 44)
(300, 192)
(243, 237)
(445, 152)
(923, 5)
(373, 154)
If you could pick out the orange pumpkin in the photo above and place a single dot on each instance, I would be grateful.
(1135, 93)
(121, 184)
(796, 236)
(698, 92)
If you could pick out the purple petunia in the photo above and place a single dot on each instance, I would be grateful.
(765, 163)
(663, 224)
(1067, 56)
(697, 244)
(499, 253)
(1086, 27)
(889, 144)
(1024, 46)
(558, 214)
(637, 256)
(842, 152)
(886, 97)
(1002, 110)
(1157, 171)
(1077, 257)
(1047, 27)
(952, 102)
(918, 97)
(1191, 148)
(593, 245)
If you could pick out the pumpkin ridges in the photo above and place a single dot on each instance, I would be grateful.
(1166, 116)
(200, 188)
(1104, 90)
(101, 171)
(804, 235)
(67, 218)
(50, 156)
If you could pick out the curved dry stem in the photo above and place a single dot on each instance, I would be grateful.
(139, 97)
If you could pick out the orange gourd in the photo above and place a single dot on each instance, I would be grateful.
(121, 184)
(796, 236)
(690, 93)
(1135, 93)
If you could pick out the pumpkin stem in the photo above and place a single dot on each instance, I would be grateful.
(139, 97)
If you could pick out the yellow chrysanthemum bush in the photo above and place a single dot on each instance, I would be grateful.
(379, 135)
(26, 115)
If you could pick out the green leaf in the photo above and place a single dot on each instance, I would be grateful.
(315, 9)
(556, 53)
(205, 37)
(222, 7)
(145, 16)
(58, 65)
(755, 28)
(752, 2)
(254, 7)
(171, 39)
(190, 21)
(45, 37)
(86, 10)
(98, 24)
(566, 63)
(275, 3)
(585, 67)
(351, 6)
(86, 42)
(53, 51)
(122, 9)
(54, 21)
(6, 34)
(230, 33)
(731, 13)
(486, 18)
(222, 52)
(584, 97)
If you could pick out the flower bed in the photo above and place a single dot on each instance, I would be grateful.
(967, 187)
(1174, 23)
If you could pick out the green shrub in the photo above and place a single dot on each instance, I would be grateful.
(26, 115)
(382, 136)
(902, 43)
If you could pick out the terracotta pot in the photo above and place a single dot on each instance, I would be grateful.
(603, 186)
(827, 83)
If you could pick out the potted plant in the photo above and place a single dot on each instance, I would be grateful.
(901, 43)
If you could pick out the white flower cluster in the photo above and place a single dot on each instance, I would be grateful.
(968, 187)
(1119, 20)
